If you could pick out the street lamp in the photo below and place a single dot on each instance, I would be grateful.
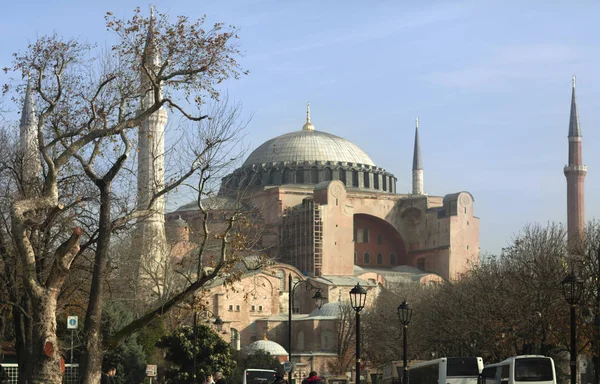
(319, 300)
(404, 314)
(572, 289)
(358, 297)
(218, 324)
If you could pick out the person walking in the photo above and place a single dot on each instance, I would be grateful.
(219, 378)
(279, 379)
(110, 376)
(313, 378)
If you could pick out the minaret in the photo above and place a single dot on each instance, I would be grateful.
(31, 167)
(150, 234)
(417, 168)
(575, 172)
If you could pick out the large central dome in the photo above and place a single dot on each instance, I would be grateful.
(308, 145)
(308, 157)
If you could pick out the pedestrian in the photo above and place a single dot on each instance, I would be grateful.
(313, 378)
(108, 377)
(279, 379)
(219, 378)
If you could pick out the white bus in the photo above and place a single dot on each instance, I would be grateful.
(530, 369)
(259, 376)
(446, 370)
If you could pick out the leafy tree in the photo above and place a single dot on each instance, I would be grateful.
(128, 357)
(211, 351)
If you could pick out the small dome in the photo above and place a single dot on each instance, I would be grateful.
(266, 346)
(180, 222)
(328, 310)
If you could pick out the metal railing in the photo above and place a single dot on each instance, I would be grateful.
(71, 375)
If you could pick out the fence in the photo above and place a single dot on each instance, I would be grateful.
(71, 375)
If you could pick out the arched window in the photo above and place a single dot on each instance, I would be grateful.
(281, 277)
(326, 340)
(385, 179)
(421, 263)
(235, 339)
(379, 258)
(342, 176)
(288, 176)
(300, 341)
(376, 181)
(257, 178)
(328, 174)
(393, 259)
(355, 179)
(367, 182)
(314, 175)
(300, 176)
(367, 258)
(276, 177)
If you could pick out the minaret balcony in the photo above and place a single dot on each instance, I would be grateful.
(575, 169)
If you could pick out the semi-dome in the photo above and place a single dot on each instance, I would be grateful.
(309, 157)
(269, 346)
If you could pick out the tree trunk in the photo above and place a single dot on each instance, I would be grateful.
(91, 369)
(23, 336)
(46, 359)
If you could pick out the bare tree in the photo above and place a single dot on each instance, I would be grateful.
(89, 111)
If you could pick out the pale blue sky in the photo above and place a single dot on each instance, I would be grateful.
(489, 80)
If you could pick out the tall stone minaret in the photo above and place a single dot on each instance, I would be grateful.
(151, 236)
(417, 168)
(31, 167)
(575, 172)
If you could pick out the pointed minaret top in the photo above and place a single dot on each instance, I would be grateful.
(574, 129)
(308, 126)
(28, 118)
(417, 163)
(150, 50)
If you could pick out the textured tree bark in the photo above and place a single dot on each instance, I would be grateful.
(45, 359)
(92, 359)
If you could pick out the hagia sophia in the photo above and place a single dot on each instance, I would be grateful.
(332, 216)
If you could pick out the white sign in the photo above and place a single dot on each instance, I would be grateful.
(72, 322)
(287, 366)
(151, 370)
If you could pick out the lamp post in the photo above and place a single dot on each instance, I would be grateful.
(572, 289)
(404, 314)
(318, 298)
(218, 324)
(358, 297)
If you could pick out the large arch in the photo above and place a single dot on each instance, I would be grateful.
(374, 235)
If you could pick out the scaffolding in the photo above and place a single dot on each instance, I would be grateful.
(302, 237)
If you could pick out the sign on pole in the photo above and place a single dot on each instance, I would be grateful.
(151, 370)
(287, 366)
(72, 322)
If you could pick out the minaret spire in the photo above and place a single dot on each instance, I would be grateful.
(575, 173)
(31, 167)
(150, 235)
(308, 126)
(417, 168)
